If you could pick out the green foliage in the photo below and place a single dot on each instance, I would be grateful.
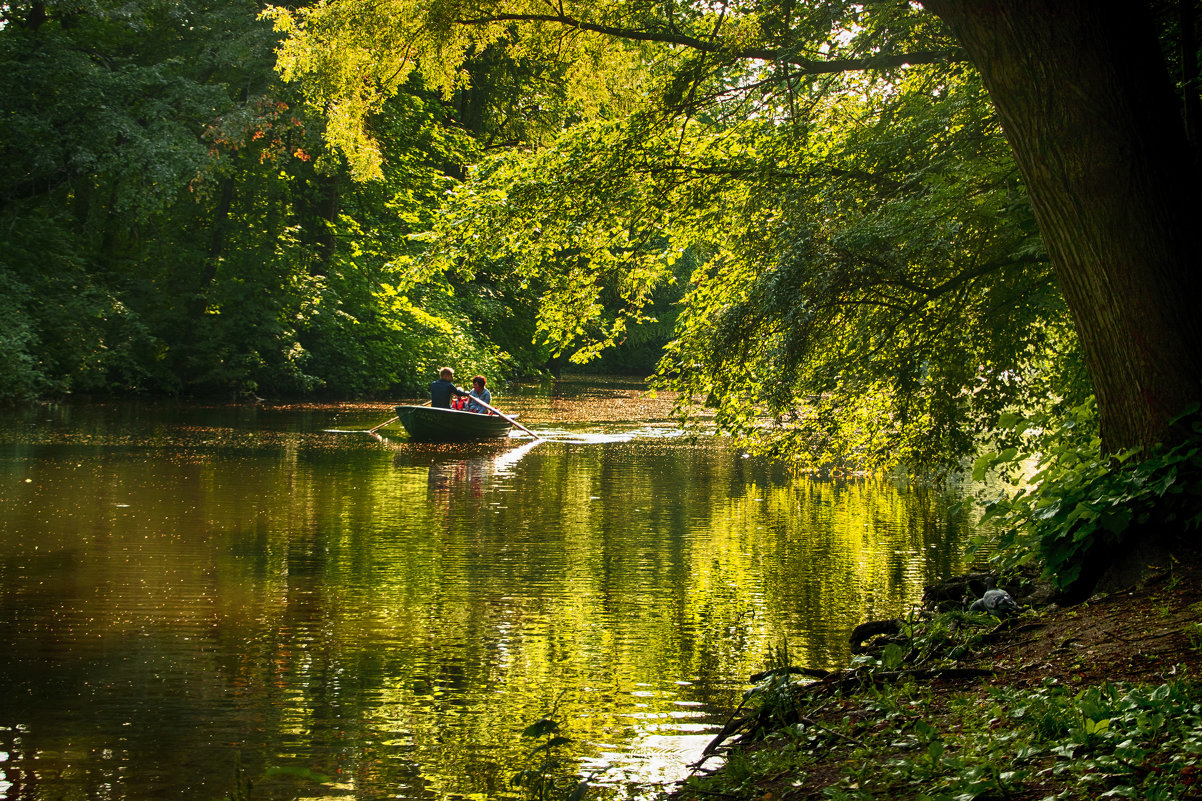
(352, 57)
(67, 330)
(18, 341)
(939, 640)
(844, 265)
(548, 775)
(864, 274)
(1111, 740)
(106, 125)
(587, 243)
(379, 319)
(169, 222)
(1078, 503)
(389, 341)
(904, 740)
(103, 113)
(98, 135)
(833, 280)
(871, 316)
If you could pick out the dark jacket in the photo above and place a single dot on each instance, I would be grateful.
(441, 392)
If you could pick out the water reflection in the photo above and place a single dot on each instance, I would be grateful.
(462, 470)
(183, 588)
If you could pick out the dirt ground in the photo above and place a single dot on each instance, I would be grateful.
(1135, 635)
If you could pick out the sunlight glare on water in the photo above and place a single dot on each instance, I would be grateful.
(195, 594)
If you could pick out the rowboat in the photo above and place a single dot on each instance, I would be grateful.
(432, 424)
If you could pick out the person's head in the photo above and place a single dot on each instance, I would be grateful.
(478, 382)
(446, 374)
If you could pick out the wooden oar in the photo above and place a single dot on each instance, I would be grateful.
(381, 425)
(497, 411)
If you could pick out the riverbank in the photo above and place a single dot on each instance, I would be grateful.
(1101, 699)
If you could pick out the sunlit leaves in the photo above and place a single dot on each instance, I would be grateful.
(861, 278)
(354, 55)
(868, 275)
(573, 219)
(874, 316)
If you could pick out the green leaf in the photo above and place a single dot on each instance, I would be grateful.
(1047, 512)
(1116, 522)
(1008, 420)
(553, 742)
(540, 727)
(981, 466)
(1162, 486)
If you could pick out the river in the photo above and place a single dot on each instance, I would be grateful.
(208, 602)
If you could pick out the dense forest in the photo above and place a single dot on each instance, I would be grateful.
(174, 223)
(886, 227)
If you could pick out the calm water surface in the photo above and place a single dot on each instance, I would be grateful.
(190, 594)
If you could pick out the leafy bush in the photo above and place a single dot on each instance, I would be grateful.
(1080, 503)
(1112, 741)
(18, 362)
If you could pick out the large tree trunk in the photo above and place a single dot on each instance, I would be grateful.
(1086, 104)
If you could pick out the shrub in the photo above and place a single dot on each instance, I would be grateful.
(1080, 504)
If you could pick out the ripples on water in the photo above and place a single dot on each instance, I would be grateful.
(191, 591)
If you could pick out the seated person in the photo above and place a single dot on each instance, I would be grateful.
(479, 393)
(442, 389)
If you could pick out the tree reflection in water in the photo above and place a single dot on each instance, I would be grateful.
(181, 584)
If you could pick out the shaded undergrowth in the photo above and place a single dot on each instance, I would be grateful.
(927, 714)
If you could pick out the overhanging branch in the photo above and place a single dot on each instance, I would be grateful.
(804, 66)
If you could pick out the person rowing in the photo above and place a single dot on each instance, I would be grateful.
(442, 390)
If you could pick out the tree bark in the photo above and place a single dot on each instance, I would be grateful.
(1088, 109)
(1191, 104)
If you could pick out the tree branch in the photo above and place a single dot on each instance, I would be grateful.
(672, 36)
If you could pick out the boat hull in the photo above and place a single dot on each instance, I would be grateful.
(430, 424)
